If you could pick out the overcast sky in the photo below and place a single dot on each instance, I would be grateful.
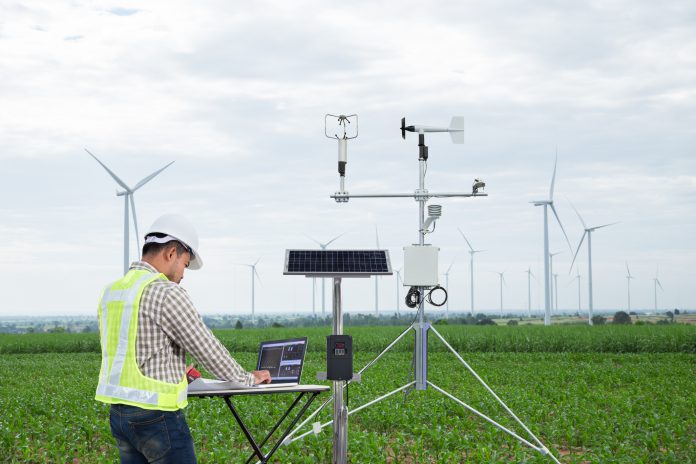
(236, 92)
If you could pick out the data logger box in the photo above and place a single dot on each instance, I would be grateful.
(420, 266)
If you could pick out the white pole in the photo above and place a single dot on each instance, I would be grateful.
(126, 264)
(547, 296)
(253, 319)
(529, 293)
(589, 270)
(555, 284)
(472, 283)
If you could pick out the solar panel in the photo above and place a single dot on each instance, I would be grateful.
(337, 263)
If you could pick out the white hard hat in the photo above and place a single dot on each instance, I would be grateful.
(179, 228)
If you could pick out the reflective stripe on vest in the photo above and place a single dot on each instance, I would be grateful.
(114, 386)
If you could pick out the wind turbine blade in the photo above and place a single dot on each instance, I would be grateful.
(257, 274)
(605, 225)
(254, 265)
(135, 223)
(111, 173)
(450, 267)
(576, 252)
(553, 208)
(659, 285)
(149, 178)
(553, 178)
(377, 237)
(467, 241)
(336, 238)
(313, 240)
(628, 271)
(576, 212)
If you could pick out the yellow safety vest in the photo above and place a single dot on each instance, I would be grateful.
(120, 379)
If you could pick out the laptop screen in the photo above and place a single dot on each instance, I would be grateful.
(283, 358)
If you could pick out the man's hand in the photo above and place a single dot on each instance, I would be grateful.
(261, 377)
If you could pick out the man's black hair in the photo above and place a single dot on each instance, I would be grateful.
(154, 247)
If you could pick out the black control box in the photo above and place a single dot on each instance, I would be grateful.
(339, 357)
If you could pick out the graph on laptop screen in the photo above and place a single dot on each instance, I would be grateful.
(283, 359)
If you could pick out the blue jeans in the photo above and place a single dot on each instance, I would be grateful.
(145, 436)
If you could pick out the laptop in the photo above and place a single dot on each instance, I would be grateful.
(284, 360)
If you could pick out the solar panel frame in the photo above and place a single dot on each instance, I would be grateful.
(337, 263)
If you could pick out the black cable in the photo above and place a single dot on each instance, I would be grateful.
(413, 297)
(429, 298)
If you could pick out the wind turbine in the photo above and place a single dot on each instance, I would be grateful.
(377, 279)
(398, 284)
(253, 274)
(323, 280)
(127, 195)
(656, 283)
(547, 275)
(628, 286)
(554, 289)
(529, 291)
(579, 293)
(588, 232)
(472, 252)
(446, 274)
(502, 280)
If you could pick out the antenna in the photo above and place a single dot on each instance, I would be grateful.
(342, 125)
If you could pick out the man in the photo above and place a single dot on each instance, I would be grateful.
(147, 324)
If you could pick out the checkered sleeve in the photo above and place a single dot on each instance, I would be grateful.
(183, 324)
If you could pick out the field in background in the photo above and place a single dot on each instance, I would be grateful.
(620, 394)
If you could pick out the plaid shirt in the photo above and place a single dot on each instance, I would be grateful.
(168, 327)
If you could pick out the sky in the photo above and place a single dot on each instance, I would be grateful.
(236, 94)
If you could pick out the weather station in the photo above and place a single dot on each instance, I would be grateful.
(420, 275)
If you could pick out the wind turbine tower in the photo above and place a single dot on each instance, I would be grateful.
(547, 274)
(472, 252)
(554, 288)
(628, 286)
(502, 280)
(447, 285)
(656, 283)
(127, 195)
(588, 232)
(529, 291)
(253, 285)
(323, 280)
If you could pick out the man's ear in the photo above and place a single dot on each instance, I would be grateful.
(170, 253)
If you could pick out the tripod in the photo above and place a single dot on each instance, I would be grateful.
(420, 326)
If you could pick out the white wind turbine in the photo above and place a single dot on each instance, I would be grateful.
(547, 274)
(588, 232)
(323, 280)
(472, 252)
(554, 288)
(502, 281)
(399, 282)
(555, 292)
(579, 292)
(253, 285)
(529, 291)
(656, 283)
(446, 274)
(127, 195)
(628, 286)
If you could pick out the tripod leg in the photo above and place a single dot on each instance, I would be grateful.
(541, 448)
(289, 438)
